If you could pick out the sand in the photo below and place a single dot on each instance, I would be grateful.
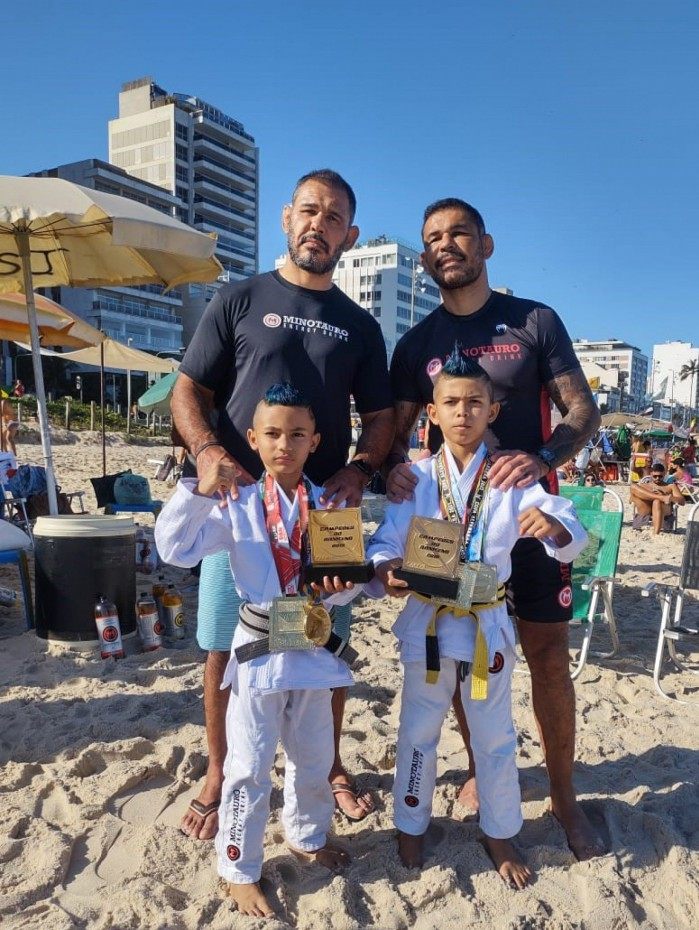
(99, 759)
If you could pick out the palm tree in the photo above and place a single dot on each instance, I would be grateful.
(690, 370)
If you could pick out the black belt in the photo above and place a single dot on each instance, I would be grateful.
(256, 621)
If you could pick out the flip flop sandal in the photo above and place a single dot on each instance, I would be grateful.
(341, 787)
(203, 810)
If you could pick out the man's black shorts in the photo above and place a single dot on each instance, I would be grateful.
(539, 589)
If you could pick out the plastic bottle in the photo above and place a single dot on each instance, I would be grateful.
(108, 628)
(159, 588)
(149, 558)
(139, 539)
(150, 628)
(173, 613)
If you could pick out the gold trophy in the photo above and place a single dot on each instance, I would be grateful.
(337, 546)
(431, 562)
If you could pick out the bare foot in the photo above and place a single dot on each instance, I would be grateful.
(410, 849)
(510, 867)
(468, 796)
(348, 801)
(332, 857)
(200, 821)
(582, 838)
(249, 899)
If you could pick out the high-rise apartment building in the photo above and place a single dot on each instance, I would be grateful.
(206, 159)
(668, 360)
(628, 360)
(384, 276)
(141, 316)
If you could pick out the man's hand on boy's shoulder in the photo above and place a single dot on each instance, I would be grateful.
(513, 468)
(400, 483)
(396, 587)
(215, 463)
(540, 525)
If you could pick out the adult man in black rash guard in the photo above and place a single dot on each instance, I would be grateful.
(528, 354)
(292, 325)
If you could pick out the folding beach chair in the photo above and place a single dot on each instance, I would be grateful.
(582, 497)
(593, 576)
(672, 630)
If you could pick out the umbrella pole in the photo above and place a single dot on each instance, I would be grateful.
(128, 400)
(104, 441)
(22, 240)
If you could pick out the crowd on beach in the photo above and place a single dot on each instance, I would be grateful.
(264, 412)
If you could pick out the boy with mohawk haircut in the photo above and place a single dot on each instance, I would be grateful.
(441, 644)
(274, 694)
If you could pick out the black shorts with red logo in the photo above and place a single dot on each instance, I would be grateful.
(539, 589)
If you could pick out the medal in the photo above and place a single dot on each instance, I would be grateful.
(287, 624)
(485, 589)
(318, 624)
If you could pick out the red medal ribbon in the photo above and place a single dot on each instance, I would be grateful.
(286, 551)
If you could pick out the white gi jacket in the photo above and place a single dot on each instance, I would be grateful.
(192, 526)
(457, 635)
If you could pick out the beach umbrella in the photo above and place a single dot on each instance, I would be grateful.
(157, 398)
(57, 325)
(53, 232)
(113, 354)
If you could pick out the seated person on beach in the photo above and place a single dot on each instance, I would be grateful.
(653, 499)
(442, 645)
(274, 695)
(8, 427)
(678, 474)
(689, 453)
(640, 459)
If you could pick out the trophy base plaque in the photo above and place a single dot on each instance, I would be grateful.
(429, 585)
(359, 572)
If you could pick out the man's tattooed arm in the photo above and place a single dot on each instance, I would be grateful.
(571, 394)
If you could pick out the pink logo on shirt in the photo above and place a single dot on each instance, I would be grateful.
(272, 320)
(434, 367)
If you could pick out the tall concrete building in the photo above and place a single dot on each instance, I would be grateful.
(628, 360)
(384, 276)
(205, 158)
(141, 316)
(664, 380)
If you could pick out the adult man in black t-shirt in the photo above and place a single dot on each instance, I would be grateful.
(528, 354)
(291, 325)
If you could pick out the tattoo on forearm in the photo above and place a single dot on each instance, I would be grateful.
(191, 413)
(377, 436)
(581, 418)
(406, 413)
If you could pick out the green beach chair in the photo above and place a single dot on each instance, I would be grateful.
(584, 498)
(593, 576)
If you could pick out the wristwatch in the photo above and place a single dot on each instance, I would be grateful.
(547, 457)
(364, 467)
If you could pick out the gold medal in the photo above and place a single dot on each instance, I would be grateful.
(317, 626)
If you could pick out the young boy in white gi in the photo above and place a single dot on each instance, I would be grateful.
(273, 695)
(447, 487)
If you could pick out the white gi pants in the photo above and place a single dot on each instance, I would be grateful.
(493, 740)
(254, 725)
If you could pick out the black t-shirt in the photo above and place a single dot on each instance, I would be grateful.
(520, 343)
(263, 330)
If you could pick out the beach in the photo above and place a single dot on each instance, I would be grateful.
(98, 760)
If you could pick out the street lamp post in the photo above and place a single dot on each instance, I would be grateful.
(416, 281)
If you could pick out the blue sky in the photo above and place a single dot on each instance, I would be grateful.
(573, 127)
